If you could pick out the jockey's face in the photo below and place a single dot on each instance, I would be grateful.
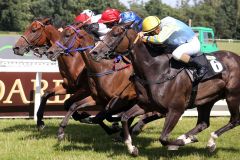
(157, 30)
(110, 24)
(154, 32)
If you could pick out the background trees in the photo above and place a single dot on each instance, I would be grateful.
(223, 16)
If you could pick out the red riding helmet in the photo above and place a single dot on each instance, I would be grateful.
(110, 15)
(83, 18)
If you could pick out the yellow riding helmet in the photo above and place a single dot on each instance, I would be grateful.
(150, 23)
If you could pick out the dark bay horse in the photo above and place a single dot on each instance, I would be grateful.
(108, 80)
(39, 36)
(168, 90)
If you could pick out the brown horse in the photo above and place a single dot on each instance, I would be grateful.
(42, 34)
(39, 36)
(109, 81)
(168, 90)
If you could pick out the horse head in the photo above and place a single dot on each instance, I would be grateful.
(117, 41)
(34, 37)
(70, 39)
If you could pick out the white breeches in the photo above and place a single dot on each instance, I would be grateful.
(192, 47)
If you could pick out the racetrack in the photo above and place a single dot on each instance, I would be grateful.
(19, 140)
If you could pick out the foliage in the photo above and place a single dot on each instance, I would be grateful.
(16, 14)
(221, 15)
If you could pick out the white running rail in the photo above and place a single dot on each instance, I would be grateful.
(41, 66)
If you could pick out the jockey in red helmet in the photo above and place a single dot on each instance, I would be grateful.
(110, 17)
(82, 18)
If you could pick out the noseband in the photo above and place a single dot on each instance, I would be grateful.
(30, 45)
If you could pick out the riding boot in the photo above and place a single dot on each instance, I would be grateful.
(201, 70)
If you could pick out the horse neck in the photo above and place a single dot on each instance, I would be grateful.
(52, 33)
(144, 61)
(97, 67)
(71, 66)
(91, 64)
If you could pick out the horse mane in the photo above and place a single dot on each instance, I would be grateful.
(158, 48)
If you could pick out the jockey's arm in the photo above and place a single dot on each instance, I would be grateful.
(164, 34)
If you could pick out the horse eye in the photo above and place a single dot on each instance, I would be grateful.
(115, 34)
(67, 35)
(34, 30)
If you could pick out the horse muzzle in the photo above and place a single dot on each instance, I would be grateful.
(17, 51)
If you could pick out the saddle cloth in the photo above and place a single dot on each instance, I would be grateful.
(213, 65)
(210, 61)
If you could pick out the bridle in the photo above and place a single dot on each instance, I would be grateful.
(68, 49)
(36, 38)
(165, 76)
(112, 48)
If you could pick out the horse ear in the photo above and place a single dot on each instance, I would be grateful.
(127, 25)
(79, 25)
(47, 21)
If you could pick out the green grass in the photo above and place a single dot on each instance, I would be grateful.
(19, 140)
(233, 46)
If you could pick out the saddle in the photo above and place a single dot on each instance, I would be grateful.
(213, 65)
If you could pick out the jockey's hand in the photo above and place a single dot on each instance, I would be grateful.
(141, 35)
(60, 29)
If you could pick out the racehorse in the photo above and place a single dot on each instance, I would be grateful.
(165, 89)
(41, 34)
(109, 81)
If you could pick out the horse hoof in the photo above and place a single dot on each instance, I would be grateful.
(172, 147)
(41, 127)
(193, 139)
(212, 148)
(60, 136)
(135, 152)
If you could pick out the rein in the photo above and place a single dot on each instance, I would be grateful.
(117, 59)
(69, 49)
(165, 77)
(28, 42)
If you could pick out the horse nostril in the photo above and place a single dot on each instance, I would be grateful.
(50, 52)
(15, 48)
(95, 52)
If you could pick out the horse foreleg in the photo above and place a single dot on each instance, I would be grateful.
(74, 107)
(131, 113)
(202, 124)
(146, 118)
(80, 97)
(233, 106)
(55, 91)
(171, 120)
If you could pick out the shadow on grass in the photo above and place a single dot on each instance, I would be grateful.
(92, 137)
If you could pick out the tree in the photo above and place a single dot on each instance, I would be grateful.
(227, 19)
(14, 15)
(157, 8)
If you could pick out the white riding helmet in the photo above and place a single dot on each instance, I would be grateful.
(88, 12)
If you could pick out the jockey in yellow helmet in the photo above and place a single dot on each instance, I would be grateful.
(174, 33)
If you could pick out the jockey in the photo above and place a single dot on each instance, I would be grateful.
(110, 17)
(88, 17)
(174, 33)
(128, 17)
